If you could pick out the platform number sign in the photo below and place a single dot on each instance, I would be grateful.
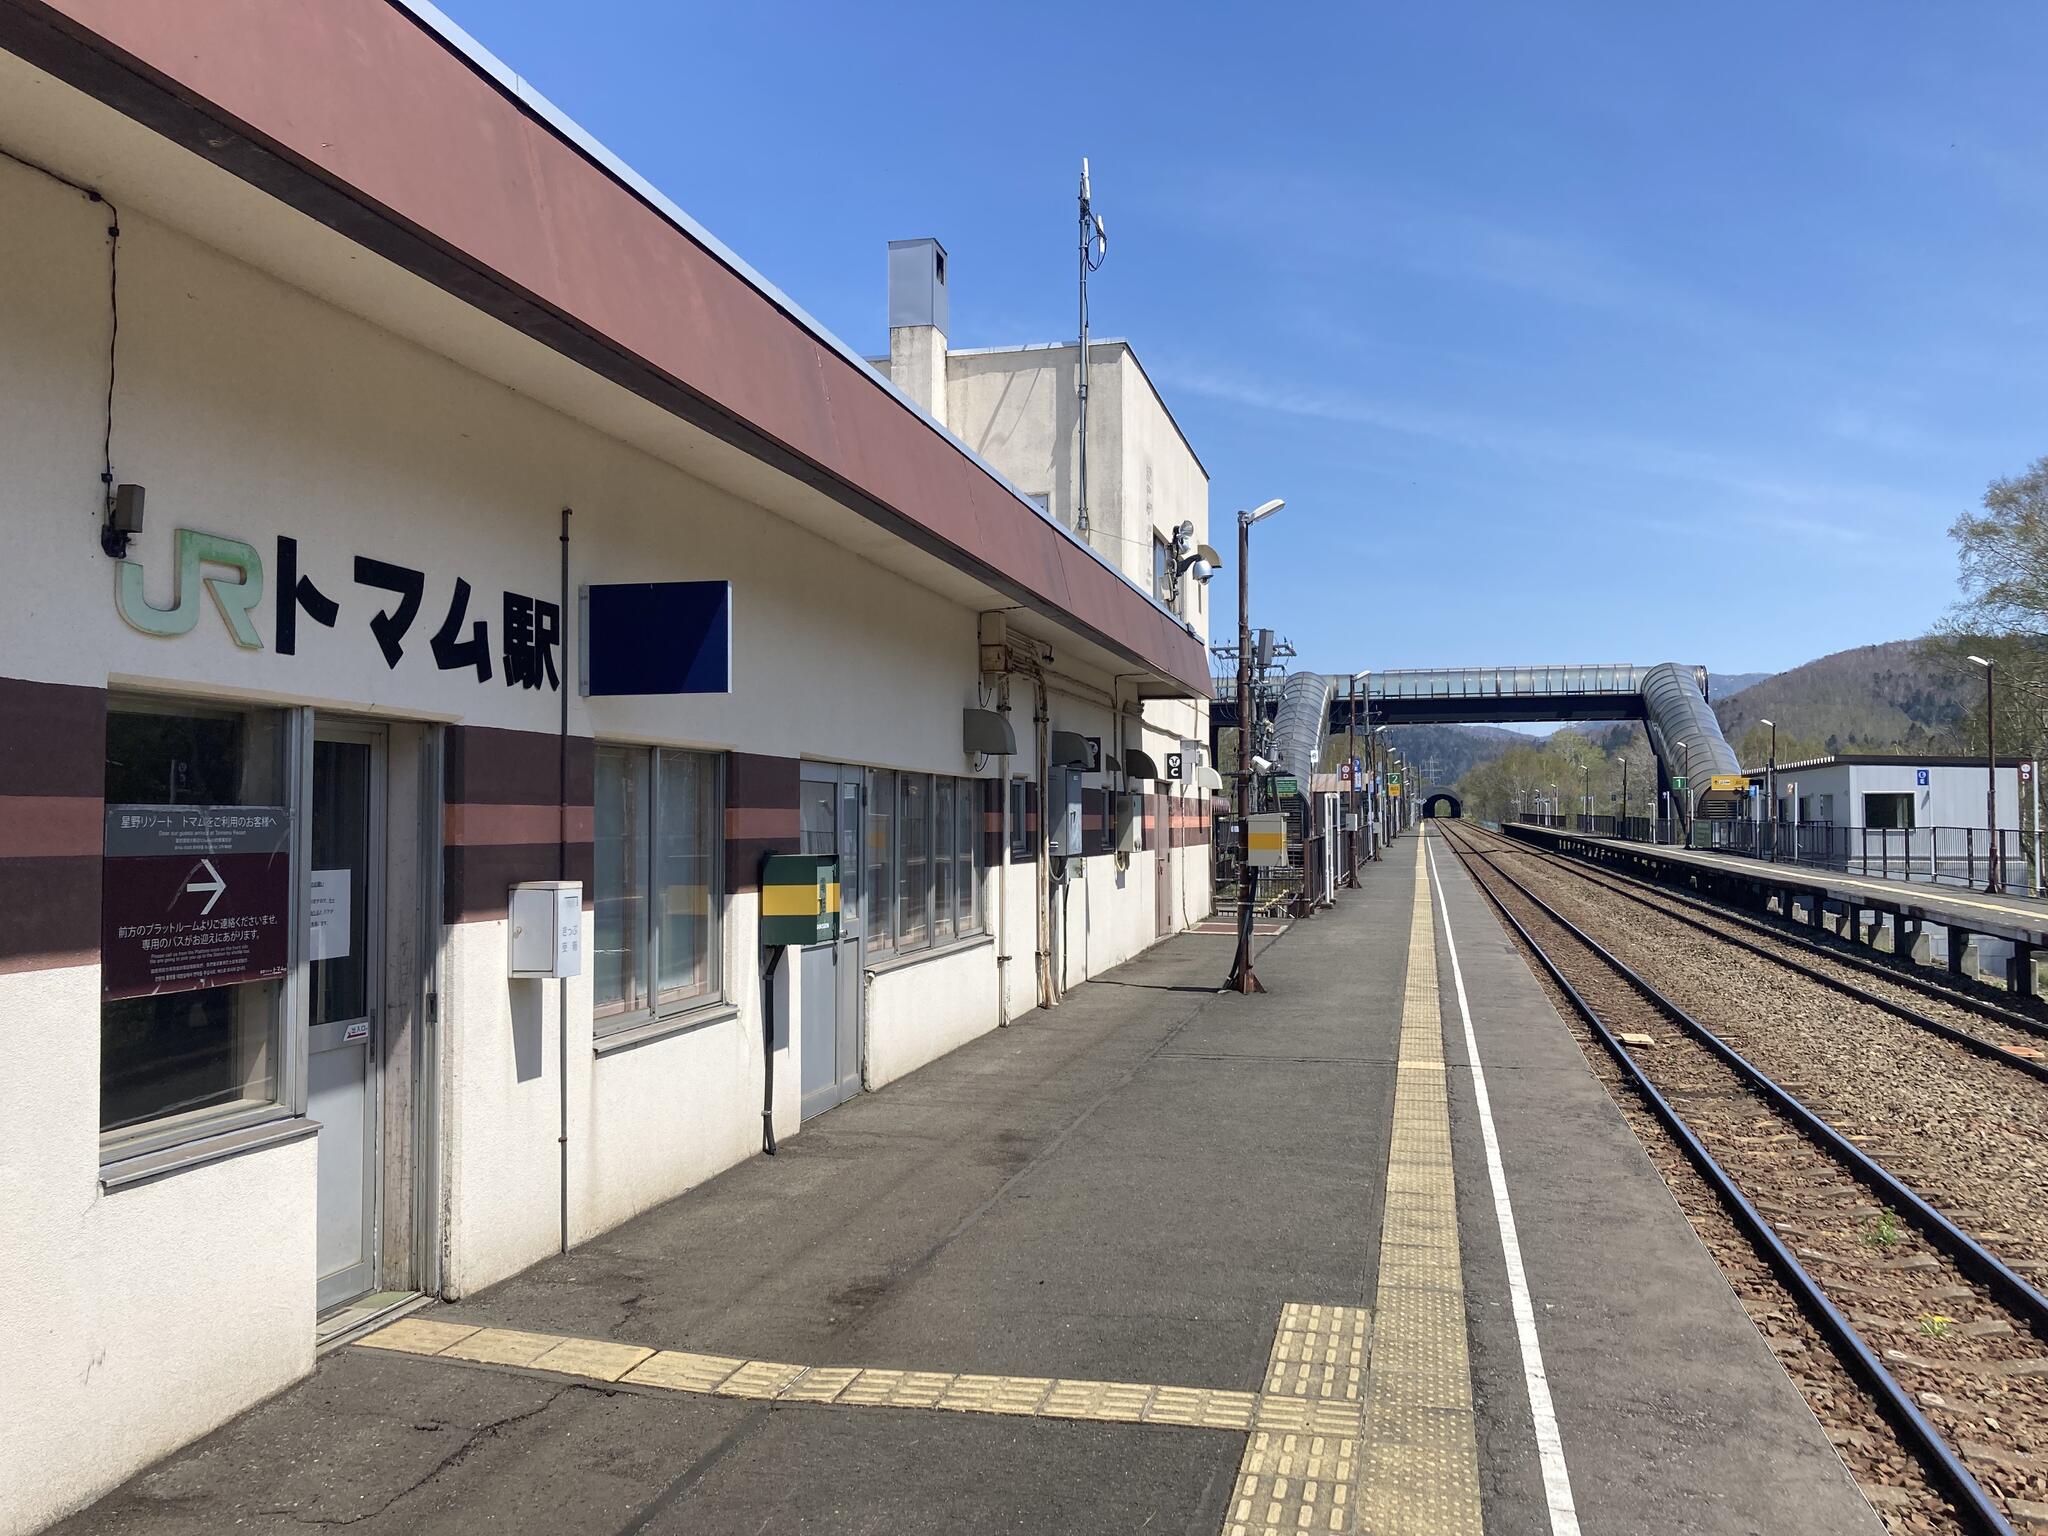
(1176, 766)
(1920, 777)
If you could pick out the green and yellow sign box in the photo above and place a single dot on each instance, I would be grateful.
(799, 899)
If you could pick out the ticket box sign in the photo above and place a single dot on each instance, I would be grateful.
(1265, 840)
(194, 896)
(799, 899)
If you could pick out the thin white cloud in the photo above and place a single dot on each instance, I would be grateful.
(1798, 506)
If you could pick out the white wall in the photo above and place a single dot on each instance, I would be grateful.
(1952, 797)
(250, 409)
(137, 1320)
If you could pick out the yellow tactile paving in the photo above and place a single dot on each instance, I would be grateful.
(595, 1358)
(1420, 1462)
(418, 1336)
(1320, 1352)
(502, 1346)
(1365, 1419)
(682, 1371)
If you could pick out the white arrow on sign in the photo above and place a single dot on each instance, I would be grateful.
(217, 887)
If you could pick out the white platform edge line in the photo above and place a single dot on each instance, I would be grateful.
(1557, 1482)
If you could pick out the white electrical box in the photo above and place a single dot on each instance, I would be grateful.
(547, 928)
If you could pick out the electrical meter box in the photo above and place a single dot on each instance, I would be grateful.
(1063, 828)
(799, 899)
(546, 928)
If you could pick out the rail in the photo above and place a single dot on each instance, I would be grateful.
(1954, 856)
(1963, 1250)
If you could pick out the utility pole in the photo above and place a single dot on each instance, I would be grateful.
(1242, 977)
(1094, 248)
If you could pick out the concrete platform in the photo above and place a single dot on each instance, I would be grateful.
(1131, 1264)
(2018, 919)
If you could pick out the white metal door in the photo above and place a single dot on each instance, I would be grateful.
(829, 1039)
(344, 952)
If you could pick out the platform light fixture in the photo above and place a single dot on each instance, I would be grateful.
(1771, 782)
(1242, 977)
(1992, 861)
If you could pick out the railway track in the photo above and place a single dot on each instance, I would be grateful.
(2026, 1025)
(2006, 1036)
(1965, 1128)
(1921, 1314)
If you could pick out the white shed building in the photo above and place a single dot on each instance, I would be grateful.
(1892, 793)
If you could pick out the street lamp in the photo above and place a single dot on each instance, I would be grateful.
(1771, 783)
(1990, 770)
(1242, 978)
(1624, 798)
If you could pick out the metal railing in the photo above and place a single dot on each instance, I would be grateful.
(1958, 856)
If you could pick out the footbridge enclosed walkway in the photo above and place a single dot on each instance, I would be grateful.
(1372, 1252)
(1670, 700)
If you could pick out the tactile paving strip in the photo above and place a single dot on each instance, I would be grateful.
(1326, 1340)
(1420, 1463)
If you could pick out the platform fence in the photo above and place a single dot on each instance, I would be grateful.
(1957, 856)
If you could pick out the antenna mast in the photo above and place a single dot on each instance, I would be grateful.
(1094, 247)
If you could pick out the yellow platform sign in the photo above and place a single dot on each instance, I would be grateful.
(1265, 841)
(1729, 781)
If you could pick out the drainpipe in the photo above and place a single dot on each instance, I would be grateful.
(562, 873)
(1002, 864)
(1048, 996)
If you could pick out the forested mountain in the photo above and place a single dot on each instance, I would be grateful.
(1874, 698)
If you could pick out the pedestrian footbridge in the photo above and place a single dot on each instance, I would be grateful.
(1670, 700)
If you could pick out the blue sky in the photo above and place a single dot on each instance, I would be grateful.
(1570, 333)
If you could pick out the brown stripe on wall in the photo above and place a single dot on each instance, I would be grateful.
(490, 766)
(53, 775)
(503, 819)
(478, 878)
(50, 915)
(761, 814)
(51, 826)
(53, 739)
(991, 794)
(468, 825)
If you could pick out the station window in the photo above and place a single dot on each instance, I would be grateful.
(655, 888)
(1021, 851)
(192, 994)
(924, 861)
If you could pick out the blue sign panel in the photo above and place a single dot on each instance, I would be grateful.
(1920, 776)
(657, 637)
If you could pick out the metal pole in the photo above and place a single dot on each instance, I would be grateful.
(1242, 977)
(1351, 777)
(1990, 777)
(2034, 779)
(1081, 373)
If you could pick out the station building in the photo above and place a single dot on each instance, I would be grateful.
(1890, 792)
(497, 527)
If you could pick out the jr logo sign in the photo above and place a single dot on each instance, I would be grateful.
(235, 599)
(529, 628)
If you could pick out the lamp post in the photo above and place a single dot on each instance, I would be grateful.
(1624, 798)
(1990, 771)
(1242, 977)
(1771, 783)
(1351, 778)
(1589, 795)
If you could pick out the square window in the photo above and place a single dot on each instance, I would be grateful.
(189, 1050)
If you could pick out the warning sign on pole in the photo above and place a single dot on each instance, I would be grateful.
(194, 896)
(1265, 841)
